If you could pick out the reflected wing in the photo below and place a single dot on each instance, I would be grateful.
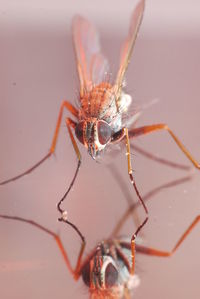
(129, 42)
(91, 64)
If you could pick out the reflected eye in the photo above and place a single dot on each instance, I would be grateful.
(86, 274)
(104, 132)
(111, 276)
(79, 131)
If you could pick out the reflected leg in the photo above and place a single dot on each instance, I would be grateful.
(76, 271)
(162, 253)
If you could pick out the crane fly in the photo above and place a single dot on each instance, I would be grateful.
(109, 269)
(99, 120)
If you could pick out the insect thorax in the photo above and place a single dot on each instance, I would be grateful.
(101, 103)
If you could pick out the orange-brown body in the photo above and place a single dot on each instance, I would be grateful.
(99, 103)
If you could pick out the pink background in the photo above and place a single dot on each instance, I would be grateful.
(37, 72)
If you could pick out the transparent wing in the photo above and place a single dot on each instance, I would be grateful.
(129, 42)
(91, 64)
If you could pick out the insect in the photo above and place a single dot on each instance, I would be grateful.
(100, 120)
(109, 269)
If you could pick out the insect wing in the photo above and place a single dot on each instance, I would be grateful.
(129, 42)
(91, 64)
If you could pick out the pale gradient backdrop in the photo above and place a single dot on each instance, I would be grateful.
(38, 71)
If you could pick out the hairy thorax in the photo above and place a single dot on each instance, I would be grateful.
(99, 103)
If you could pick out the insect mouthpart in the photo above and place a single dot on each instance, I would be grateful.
(92, 150)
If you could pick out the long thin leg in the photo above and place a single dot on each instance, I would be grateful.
(127, 194)
(129, 211)
(150, 129)
(76, 271)
(161, 253)
(74, 112)
(149, 195)
(157, 127)
(130, 172)
(70, 123)
(148, 155)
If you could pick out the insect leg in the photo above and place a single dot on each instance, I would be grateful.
(157, 127)
(76, 271)
(149, 195)
(161, 253)
(70, 123)
(130, 172)
(64, 105)
(131, 209)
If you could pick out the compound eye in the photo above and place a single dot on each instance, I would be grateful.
(79, 131)
(111, 276)
(86, 274)
(104, 132)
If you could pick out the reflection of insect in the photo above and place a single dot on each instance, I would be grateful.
(99, 121)
(109, 270)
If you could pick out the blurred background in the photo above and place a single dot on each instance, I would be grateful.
(37, 72)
